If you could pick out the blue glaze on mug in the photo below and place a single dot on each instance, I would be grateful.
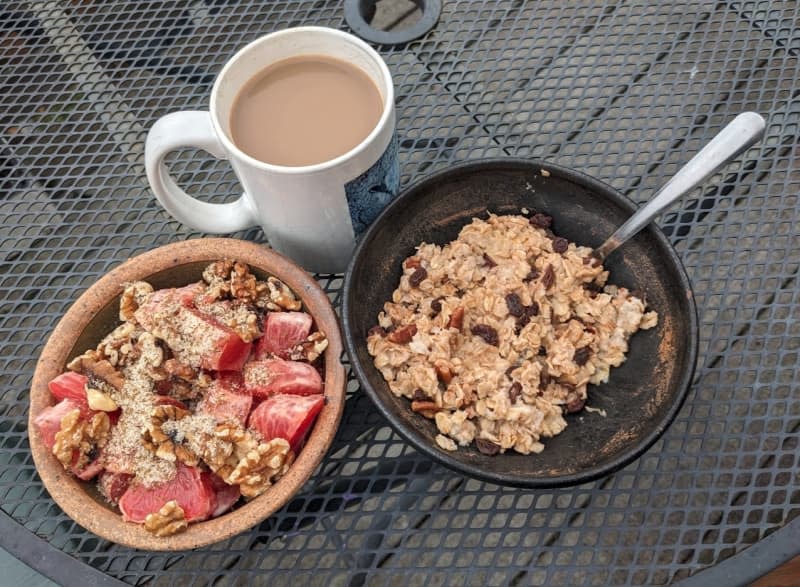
(371, 191)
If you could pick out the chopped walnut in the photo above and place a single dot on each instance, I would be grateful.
(230, 279)
(89, 356)
(85, 437)
(223, 450)
(236, 435)
(425, 407)
(217, 270)
(403, 335)
(97, 369)
(118, 348)
(310, 349)
(246, 327)
(276, 295)
(174, 368)
(133, 297)
(237, 456)
(261, 467)
(444, 371)
(243, 283)
(164, 445)
(169, 520)
(216, 276)
(456, 318)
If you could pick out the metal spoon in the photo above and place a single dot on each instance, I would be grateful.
(742, 132)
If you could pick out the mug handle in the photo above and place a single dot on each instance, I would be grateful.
(191, 128)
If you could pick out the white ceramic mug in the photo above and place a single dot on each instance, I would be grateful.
(311, 213)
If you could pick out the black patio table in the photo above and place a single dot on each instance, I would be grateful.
(624, 90)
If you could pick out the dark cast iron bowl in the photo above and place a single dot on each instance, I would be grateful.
(641, 397)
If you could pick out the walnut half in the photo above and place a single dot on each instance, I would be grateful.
(276, 295)
(261, 467)
(163, 445)
(133, 297)
(86, 437)
(169, 520)
(237, 456)
(310, 349)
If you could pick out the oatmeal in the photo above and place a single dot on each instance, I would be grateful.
(496, 335)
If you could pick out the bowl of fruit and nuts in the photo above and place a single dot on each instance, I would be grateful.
(187, 395)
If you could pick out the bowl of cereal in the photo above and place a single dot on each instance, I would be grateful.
(187, 395)
(490, 338)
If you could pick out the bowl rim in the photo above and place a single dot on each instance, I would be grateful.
(70, 494)
(624, 457)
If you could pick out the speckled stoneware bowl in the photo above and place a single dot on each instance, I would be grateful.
(94, 314)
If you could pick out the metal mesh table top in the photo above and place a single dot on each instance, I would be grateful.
(624, 90)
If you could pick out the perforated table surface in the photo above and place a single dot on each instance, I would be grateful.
(625, 91)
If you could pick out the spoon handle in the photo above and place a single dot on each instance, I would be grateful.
(742, 132)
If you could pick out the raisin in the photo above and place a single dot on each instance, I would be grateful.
(510, 370)
(487, 333)
(549, 277)
(540, 220)
(376, 330)
(419, 275)
(522, 322)
(403, 335)
(528, 313)
(592, 287)
(487, 447)
(436, 307)
(575, 405)
(489, 261)
(544, 378)
(532, 274)
(582, 355)
(515, 307)
(419, 395)
(514, 392)
(456, 318)
(560, 245)
(542, 351)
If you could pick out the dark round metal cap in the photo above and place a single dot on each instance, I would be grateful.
(358, 13)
